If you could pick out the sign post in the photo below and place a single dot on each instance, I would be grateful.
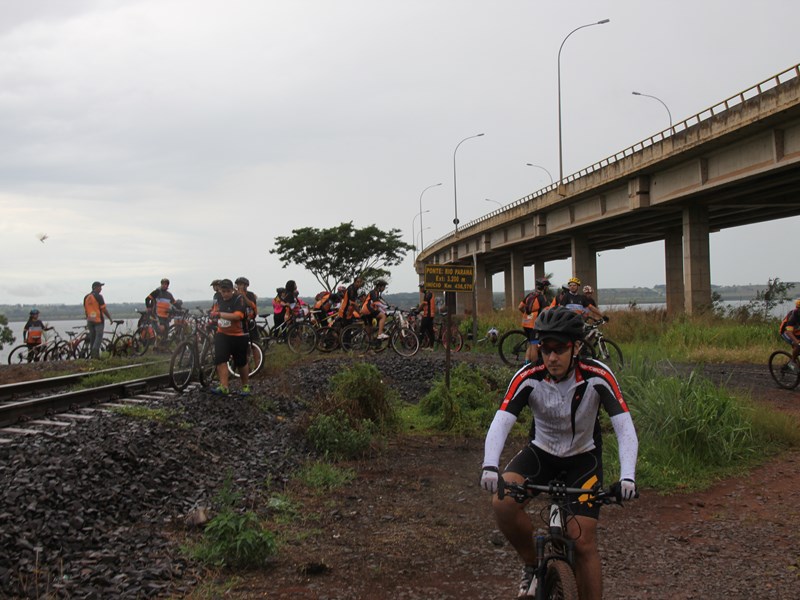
(449, 279)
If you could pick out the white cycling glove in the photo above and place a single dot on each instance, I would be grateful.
(489, 479)
(627, 489)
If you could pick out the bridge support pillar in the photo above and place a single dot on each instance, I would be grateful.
(515, 280)
(538, 271)
(584, 264)
(673, 259)
(483, 288)
(696, 259)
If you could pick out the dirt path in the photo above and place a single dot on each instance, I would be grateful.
(417, 526)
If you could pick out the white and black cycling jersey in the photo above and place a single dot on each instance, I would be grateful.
(565, 413)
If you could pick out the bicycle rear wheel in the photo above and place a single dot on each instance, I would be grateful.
(354, 339)
(512, 347)
(327, 339)
(455, 340)
(405, 342)
(301, 338)
(182, 365)
(784, 370)
(559, 581)
(207, 368)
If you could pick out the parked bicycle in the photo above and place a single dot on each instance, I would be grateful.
(784, 370)
(193, 359)
(27, 353)
(512, 347)
(296, 332)
(597, 345)
(455, 339)
(555, 550)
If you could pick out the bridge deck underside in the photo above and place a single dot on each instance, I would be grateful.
(765, 198)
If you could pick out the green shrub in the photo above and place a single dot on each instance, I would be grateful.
(339, 435)
(361, 393)
(470, 404)
(233, 538)
(324, 477)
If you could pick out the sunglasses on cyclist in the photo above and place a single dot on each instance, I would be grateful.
(560, 349)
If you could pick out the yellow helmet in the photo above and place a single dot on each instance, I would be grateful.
(797, 303)
(574, 280)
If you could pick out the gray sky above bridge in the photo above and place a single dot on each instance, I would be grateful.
(178, 138)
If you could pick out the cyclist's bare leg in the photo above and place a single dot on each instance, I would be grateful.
(532, 353)
(381, 322)
(588, 572)
(244, 374)
(515, 523)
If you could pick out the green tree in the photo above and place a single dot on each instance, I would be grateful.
(776, 292)
(337, 254)
(6, 337)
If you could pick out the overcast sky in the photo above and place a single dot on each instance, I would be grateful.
(178, 138)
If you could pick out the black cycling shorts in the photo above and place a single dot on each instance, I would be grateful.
(227, 346)
(582, 470)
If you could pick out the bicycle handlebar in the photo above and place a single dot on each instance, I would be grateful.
(557, 489)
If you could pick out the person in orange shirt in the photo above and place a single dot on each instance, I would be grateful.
(95, 308)
(530, 307)
(159, 302)
(231, 339)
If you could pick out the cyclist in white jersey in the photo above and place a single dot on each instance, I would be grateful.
(565, 394)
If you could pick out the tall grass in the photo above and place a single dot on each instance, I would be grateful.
(692, 432)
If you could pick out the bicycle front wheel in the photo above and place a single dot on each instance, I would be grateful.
(327, 339)
(559, 581)
(301, 338)
(354, 339)
(609, 353)
(512, 347)
(784, 370)
(455, 340)
(182, 365)
(125, 345)
(405, 342)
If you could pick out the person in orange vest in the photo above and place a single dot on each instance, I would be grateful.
(231, 339)
(251, 301)
(95, 308)
(159, 302)
(34, 329)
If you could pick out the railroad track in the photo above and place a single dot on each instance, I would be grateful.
(17, 405)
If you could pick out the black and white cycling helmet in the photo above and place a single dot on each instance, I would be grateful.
(542, 283)
(559, 323)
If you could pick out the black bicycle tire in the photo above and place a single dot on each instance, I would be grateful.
(559, 581)
(455, 339)
(511, 355)
(206, 369)
(614, 358)
(15, 356)
(780, 372)
(405, 342)
(182, 365)
(125, 345)
(298, 336)
(327, 339)
(354, 339)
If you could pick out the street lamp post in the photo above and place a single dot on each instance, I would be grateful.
(455, 188)
(413, 231)
(495, 201)
(664, 104)
(543, 169)
(420, 210)
(560, 152)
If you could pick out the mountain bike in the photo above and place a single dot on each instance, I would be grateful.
(296, 332)
(555, 549)
(597, 345)
(455, 339)
(784, 370)
(357, 338)
(121, 344)
(193, 359)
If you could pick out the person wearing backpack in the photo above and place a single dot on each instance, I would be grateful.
(530, 307)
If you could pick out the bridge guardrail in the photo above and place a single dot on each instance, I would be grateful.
(708, 113)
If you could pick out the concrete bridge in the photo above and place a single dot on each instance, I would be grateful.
(735, 163)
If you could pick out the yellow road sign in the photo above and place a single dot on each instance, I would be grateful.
(449, 278)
